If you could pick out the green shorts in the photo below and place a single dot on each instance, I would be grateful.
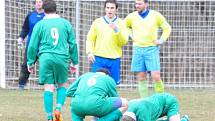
(53, 69)
(94, 106)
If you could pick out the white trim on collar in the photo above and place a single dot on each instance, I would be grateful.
(50, 16)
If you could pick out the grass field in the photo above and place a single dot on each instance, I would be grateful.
(27, 105)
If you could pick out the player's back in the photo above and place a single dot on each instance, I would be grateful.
(54, 34)
(95, 84)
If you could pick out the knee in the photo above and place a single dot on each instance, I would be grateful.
(141, 76)
(156, 76)
(49, 87)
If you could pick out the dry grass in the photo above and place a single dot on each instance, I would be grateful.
(27, 105)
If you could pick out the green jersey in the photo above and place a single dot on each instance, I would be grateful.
(93, 84)
(94, 94)
(53, 35)
(154, 107)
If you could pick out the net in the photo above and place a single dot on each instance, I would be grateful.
(187, 58)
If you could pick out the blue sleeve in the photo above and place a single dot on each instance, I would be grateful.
(25, 27)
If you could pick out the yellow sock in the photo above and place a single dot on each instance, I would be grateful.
(143, 88)
(159, 86)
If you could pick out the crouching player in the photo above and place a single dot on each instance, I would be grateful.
(95, 94)
(152, 108)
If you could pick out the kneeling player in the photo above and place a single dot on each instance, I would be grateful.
(152, 108)
(95, 94)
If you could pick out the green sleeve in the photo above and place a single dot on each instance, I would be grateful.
(33, 46)
(73, 50)
(72, 88)
(112, 88)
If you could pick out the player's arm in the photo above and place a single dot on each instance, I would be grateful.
(121, 34)
(72, 88)
(34, 45)
(165, 26)
(25, 27)
(128, 24)
(112, 88)
(73, 50)
(91, 39)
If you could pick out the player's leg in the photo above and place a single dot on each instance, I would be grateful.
(24, 74)
(48, 100)
(99, 63)
(115, 69)
(46, 78)
(138, 66)
(75, 117)
(153, 64)
(113, 109)
(61, 76)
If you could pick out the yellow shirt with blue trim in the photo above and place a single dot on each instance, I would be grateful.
(144, 31)
(103, 41)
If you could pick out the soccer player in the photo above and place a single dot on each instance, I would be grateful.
(31, 19)
(53, 42)
(95, 94)
(152, 108)
(144, 24)
(105, 40)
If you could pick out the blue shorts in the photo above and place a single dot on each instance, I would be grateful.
(113, 65)
(145, 59)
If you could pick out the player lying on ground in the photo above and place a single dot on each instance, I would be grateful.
(152, 108)
(95, 94)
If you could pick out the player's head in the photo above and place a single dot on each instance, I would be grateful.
(104, 70)
(49, 6)
(111, 7)
(38, 4)
(128, 116)
(141, 5)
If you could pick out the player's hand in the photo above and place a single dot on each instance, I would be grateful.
(31, 68)
(159, 42)
(91, 58)
(20, 43)
(73, 69)
(114, 27)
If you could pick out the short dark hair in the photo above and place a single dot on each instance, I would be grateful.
(34, 2)
(49, 6)
(111, 1)
(104, 70)
(127, 118)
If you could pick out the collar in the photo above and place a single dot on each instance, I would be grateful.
(108, 21)
(50, 16)
(143, 14)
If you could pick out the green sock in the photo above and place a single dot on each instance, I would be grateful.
(61, 97)
(159, 86)
(143, 88)
(48, 103)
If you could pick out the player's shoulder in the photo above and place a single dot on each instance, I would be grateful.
(154, 12)
(98, 20)
(132, 14)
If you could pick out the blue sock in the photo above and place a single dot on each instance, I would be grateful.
(61, 97)
(48, 103)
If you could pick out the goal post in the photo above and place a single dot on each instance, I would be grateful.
(2, 45)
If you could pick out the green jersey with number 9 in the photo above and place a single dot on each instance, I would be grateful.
(55, 36)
